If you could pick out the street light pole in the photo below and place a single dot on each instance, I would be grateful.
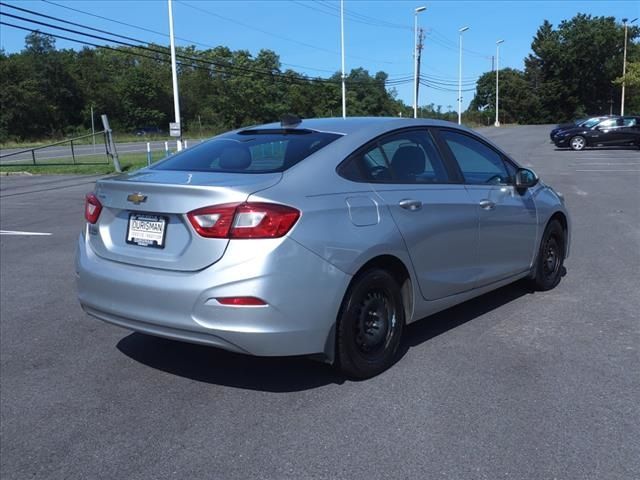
(497, 122)
(415, 59)
(344, 92)
(461, 31)
(174, 76)
(624, 62)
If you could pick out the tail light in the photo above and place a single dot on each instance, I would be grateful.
(244, 220)
(92, 208)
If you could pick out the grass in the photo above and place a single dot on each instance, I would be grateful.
(128, 162)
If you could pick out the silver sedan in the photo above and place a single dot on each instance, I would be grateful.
(322, 237)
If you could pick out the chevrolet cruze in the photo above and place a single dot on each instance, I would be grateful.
(322, 237)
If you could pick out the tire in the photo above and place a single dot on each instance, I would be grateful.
(548, 268)
(578, 143)
(370, 325)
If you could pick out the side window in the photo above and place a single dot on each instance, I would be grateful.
(609, 123)
(630, 122)
(478, 163)
(405, 157)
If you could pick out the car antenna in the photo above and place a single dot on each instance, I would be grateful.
(288, 120)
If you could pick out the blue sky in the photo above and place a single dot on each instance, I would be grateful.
(306, 33)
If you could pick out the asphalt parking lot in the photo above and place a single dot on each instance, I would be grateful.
(513, 385)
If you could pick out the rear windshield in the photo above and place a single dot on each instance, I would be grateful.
(251, 151)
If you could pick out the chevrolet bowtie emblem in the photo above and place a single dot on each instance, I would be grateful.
(137, 198)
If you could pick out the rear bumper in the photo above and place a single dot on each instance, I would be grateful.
(303, 294)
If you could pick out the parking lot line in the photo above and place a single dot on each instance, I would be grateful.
(607, 171)
(13, 232)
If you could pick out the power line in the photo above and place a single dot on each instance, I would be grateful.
(443, 89)
(301, 79)
(32, 12)
(442, 40)
(246, 70)
(281, 37)
(154, 50)
(193, 42)
(333, 11)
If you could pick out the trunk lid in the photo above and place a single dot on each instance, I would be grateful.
(162, 200)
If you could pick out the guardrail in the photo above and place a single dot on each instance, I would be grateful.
(58, 157)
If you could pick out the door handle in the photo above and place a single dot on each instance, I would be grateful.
(411, 205)
(487, 204)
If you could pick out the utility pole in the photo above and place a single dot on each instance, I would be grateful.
(344, 90)
(419, 57)
(174, 77)
(493, 66)
(415, 59)
(497, 123)
(624, 62)
(460, 31)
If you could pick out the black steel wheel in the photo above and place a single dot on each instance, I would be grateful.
(549, 264)
(370, 325)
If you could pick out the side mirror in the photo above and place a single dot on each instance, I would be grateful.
(526, 178)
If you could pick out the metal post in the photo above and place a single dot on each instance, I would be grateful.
(174, 75)
(33, 155)
(148, 153)
(166, 148)
(497, 123)
(106, 145)
(344, 92)
(73, 155)
(93, 130)
(624, 63)
(111, 145)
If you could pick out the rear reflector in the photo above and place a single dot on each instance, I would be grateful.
(244, 220)
(92, 208)
(241, 301)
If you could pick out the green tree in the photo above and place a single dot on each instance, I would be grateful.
(517, 103)
(571, 69)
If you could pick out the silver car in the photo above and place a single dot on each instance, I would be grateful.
(323, 237)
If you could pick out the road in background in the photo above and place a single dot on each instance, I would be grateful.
(513, 384)
(64, 152)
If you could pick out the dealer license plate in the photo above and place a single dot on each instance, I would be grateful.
(146, 230)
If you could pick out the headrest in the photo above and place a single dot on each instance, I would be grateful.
(235, 157)
(408, 161)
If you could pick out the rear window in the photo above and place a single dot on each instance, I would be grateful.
(251, 151)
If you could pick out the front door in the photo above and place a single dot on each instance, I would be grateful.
(508, 218)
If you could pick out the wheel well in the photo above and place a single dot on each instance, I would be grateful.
(560, 217)
(398, 270)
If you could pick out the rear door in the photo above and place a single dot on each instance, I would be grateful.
(508, 218)
(607, 132)
(433, 213)
(629, 132)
